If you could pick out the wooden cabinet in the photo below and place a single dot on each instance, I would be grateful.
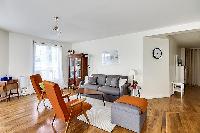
(78, 68)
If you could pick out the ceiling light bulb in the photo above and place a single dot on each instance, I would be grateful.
(56, 28)
(56, 18)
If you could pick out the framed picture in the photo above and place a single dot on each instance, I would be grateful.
(110, 57)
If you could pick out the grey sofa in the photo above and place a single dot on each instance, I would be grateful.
(110, 93)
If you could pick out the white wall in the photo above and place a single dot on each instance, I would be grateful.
(65, 48)
(129, 50)
(21, 55)
(173, 51)
(4, 52)
(156, 71)
(182, 56)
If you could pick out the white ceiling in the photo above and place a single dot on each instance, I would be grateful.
(190, 39)
(83, 20)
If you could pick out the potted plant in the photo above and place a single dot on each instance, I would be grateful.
(134, 85)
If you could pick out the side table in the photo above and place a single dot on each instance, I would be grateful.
(9, 86)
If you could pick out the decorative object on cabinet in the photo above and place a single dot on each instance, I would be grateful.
(71, 52)
(78, 69)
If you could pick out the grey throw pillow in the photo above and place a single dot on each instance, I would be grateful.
(92, 80)
(108, 81)
(101, 80)
(114, 82)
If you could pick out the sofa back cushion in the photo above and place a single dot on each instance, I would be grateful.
(92, 80)
(115, 81)
(101, 78)
(108, 81)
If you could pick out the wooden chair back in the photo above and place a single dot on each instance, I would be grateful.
(55, 97)
(35, 80)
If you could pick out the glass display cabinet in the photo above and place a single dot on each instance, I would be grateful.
(78, 69)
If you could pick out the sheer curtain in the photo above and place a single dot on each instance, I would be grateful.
(193, 66)
(48, 62)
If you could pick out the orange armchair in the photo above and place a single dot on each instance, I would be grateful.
(41, 95)
(65, 111)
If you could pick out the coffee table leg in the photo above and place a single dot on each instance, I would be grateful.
(103, 100)
(77, 95)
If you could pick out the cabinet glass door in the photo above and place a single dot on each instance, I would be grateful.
(71, 68)
(78, 67)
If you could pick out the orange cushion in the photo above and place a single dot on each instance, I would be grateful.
(135, 101)
(79, 108)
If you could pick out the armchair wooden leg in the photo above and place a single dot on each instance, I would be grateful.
(38, 104)
(44, 103)
(86, 117)
(68, 99)
(54, 117)
(9, 95)
(67, 127)
(6, 96)
(17, 93)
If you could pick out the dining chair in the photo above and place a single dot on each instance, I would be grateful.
(3, 92)
(41, 94)
(65, 111)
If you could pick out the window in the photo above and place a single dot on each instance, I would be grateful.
(48, 62)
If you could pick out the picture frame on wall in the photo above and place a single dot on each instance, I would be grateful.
(110, 57)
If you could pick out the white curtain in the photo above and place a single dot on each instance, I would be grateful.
(193, 66)
(48, 62)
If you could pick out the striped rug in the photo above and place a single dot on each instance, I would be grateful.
(99, 115)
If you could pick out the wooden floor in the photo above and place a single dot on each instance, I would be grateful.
(169, 115)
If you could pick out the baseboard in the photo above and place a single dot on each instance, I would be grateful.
(155, 96)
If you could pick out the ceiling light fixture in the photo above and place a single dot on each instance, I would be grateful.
(56, 27)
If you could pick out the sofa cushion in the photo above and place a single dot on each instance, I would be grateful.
(122, 82)
(101, 78)
(114, 76)
(92, 80)
(108, 81)
(110, 77)
(89, 86)
(109, 90)
(114, 82)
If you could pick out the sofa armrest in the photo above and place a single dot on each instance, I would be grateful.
(124, 89)
(82, 82)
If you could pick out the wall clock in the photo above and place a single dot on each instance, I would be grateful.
(157, 53)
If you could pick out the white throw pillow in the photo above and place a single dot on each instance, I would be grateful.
(86, 79)
(122, 82)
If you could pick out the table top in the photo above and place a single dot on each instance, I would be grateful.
(2, 83)
(88, 91)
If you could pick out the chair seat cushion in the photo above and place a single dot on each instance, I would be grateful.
(79, 108)
(89, 86)
(109, 90)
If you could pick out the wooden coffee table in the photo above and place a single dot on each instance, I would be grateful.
(89, 92)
